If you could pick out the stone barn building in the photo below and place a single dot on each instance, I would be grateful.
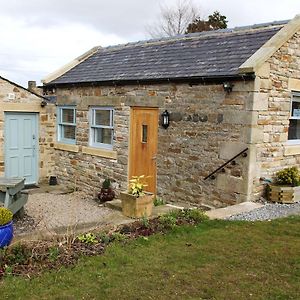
(233, 101)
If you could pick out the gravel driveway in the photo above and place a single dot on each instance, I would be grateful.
(268, 212)
(45, 211)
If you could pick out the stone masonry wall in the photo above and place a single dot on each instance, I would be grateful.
(276, 80)
(208, 126)
(17, 99)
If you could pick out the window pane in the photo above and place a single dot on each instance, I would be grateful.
(68, 115)
(294, 130)
(295, 109)
(68, 132)
(102, 117)
(144, 134)
(103, 135)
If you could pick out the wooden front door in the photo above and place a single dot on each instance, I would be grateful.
(143, 145)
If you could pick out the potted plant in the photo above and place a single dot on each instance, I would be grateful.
(106, 193)
(286, 187)
(137, 203)
(6, 227)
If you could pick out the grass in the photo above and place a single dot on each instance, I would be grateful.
(215, 260)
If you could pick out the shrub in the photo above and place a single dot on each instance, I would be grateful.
(136, 186)
(88, 238)
(5, 216)
(193, 215)
(288, 176)
(168, 221)
(158, 201)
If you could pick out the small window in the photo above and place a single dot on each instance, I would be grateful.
(144, 133)
(101, 127)
(67, 125)
(294, 128)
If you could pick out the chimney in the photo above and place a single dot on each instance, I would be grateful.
(32, 85)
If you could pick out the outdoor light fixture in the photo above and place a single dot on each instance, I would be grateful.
(227, 86)
(165, 119)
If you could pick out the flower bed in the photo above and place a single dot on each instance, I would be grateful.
(33, 258)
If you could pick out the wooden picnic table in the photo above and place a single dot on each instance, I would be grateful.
(11, 194)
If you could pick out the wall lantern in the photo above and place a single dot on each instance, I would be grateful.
(227, 86)
(165, 119)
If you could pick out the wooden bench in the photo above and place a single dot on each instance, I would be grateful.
(11, 194)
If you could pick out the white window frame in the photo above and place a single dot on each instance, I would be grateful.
(93, 126)
(61, 124)
(295, 97)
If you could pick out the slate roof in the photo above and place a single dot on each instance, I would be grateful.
(201, 55)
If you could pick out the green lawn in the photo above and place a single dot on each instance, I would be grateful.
(215, 260)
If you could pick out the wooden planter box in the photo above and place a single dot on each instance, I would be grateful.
(134, 207)
(284, 194)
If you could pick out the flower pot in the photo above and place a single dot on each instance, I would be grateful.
(6, 234)
(137, 207)
(106, 195)
(284, 194)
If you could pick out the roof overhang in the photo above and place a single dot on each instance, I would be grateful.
(189, 80)
(254, 62)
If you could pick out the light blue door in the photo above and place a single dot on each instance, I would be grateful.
(21, 146)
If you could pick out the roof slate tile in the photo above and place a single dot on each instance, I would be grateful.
(213, 54)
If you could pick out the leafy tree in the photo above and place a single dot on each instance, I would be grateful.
(215, 21)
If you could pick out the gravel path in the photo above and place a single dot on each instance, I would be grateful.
(50, 210)
(268, 212)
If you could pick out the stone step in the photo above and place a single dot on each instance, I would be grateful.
(226, 212)
(116, 204)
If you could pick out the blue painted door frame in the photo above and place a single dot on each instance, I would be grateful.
(21, 146)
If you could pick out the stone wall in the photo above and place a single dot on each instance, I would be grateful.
(275, 81)
(16, 99)
(208, 126)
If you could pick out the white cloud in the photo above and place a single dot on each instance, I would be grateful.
(29, 53)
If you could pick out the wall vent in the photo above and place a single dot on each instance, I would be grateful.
(11, 96)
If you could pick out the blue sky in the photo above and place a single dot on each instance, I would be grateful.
(39, 36)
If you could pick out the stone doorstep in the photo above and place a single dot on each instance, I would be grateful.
(226, 212)
(51, 189)
(218, 213)
(116, 204)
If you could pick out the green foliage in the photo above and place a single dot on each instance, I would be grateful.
(118, 237)
(171, 219)
(104, 238)
(88, 238)
(5, 216)
(106, 183)
(136, 186)
(53, 253)
(145, 221)
(168, 221)
(193, 215)
(214, 22)
(288, 176)
(158, 202)
(18, 254)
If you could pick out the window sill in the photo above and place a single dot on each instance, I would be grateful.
(292, 149)
(100, 152)
(67, 147)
